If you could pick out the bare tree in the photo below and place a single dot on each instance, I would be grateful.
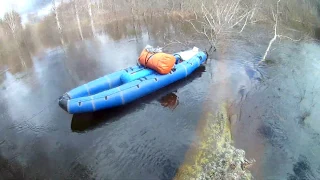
(98, 4)
(78, 18)
(91, 17)
(275, 16)
(133, 8)
(55, 11)
(218, 18)
(13, 21)
(114, 10)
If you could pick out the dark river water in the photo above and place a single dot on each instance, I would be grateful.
(275, 118)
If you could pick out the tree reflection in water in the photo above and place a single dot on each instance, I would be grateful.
(170, 100)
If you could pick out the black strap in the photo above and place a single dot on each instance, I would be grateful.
(180, 58)
(147, 60)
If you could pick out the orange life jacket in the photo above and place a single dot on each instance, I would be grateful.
(160, 62)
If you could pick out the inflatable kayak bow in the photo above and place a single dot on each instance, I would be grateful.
(129, 84)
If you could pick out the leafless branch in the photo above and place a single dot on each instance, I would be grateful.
(219, 18)
(283, 36)
(245, 23)
(275, 16)
(175, 41)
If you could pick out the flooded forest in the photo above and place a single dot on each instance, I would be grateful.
(249, 112)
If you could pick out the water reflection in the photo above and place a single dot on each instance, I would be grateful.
(301, 169)
(12, 168)
(124, 29)
(278, 124)
(19, 47)
(170, 100)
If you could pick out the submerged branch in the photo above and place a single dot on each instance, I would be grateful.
(295, 40)
(275, 16)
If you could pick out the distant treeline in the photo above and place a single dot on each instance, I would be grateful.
(69, 21)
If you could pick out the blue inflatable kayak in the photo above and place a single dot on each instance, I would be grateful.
(127, 85)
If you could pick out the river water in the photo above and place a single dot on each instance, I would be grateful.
(274, 117)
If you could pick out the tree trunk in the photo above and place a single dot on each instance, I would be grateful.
(102, 4)
(78, 19)
(91, 18)
(12, 24)
(57, 21)
(133, 18)
(114, 10)
(275, 33)
(146, 24)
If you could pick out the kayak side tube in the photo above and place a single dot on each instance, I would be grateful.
(101, 84)
(133, 90)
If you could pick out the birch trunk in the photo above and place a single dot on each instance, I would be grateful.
(91, 18)
(102, 4)
(78, 19)
(57, 21)
(11, 23)
(275, 16)
(114, 10)
(133, 24)
(133, 6)
(10, 20)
